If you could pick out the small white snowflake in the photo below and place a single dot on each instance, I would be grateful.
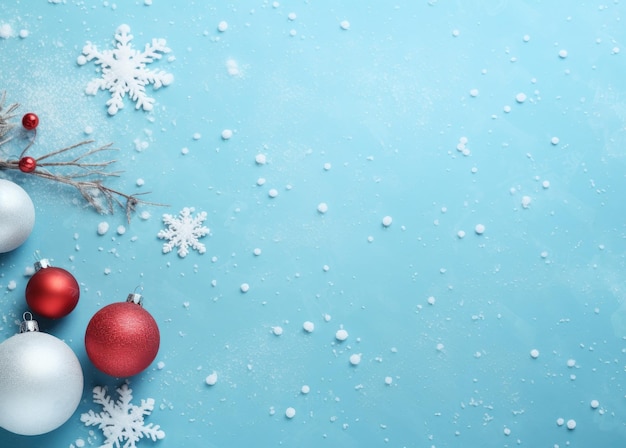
(124, 70)
(184, 231)
(120, 420)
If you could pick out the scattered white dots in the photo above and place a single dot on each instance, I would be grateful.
(256, 251)
(211, 380)
(534, 353)
(526, 200)
(227, 134)
(344, 25)
(222, 26)
(322, 207)
(479, 229)
(277, 330)
(562, 54)
(308, 326)
(103, 228)
(355, 359)
(341, 335)
(594, 404)
(272, 193)
(305, 389)
(6, 31)
(388, 380)
(571, 424)
(290, 413)
(387, 221)
(260, 159)
(520, 97)
(244, 287)
(554, 140)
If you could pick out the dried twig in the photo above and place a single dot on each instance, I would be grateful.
(85, 175)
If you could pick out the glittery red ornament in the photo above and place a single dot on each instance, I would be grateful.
(51, 292)
(30, 121)
(27, 164)
(122, 339)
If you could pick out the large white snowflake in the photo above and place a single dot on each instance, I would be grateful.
(121, 421)
(184, 231)
(124, 70)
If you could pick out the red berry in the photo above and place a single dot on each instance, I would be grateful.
(30, 121)
(27, 164)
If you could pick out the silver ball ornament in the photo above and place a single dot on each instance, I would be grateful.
(17, 215)
(41, 383)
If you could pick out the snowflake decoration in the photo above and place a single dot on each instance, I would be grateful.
(124, 70)
(120, 420)
(184, 231)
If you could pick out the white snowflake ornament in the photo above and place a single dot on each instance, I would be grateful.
(124, 70)
(121, 421)
(184, 232)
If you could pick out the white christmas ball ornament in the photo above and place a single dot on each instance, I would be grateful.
(41, 382)
(17, 215)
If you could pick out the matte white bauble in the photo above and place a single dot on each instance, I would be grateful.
(17, 215)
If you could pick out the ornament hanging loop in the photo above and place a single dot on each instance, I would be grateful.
(28, 325)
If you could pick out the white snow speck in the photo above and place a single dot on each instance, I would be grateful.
(594, 404)
(23, 34)
(322, 207)
(103, 228)
(571, 424)
(562, 54)
(6, 31)
(305, 389)
(355, 359)
(291, 16)
(534, 353)
(260, 159)
(120, 420)
(571, 363)
(554, 140)
(232, 67)
(211, 379)
(560, 421)
(124, 70)
(11, 285)
(277, 330)
(526, 200)
(473, 93)
(272, 193)
(256, 251)
(327, 166)
(222, 26)
(545, 184)
(431, 300)
(460, 234)
(227, 134)
(479, 229)
(345, 25)
(290, 412)
(341, 335)
(121, 230)
(388, 380)
(520, 97)
(184, 231)
(244, 287)
(387, 220)
(507, 431)
(308, 326)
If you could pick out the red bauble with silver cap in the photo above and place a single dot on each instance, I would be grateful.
(51, 292)
(122, 339)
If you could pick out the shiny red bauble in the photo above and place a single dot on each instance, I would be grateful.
(30, 121)
(27, 164)
(52, 292)
(122, 339)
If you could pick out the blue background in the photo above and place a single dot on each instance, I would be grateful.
(385, 103)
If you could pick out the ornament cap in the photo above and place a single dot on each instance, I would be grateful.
(135, 298)
(42, 264)
(28, 325)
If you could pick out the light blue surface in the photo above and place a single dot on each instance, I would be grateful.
(385, 103)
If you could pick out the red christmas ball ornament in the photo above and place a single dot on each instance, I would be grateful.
(122, 339)
(30, 121)
(51, 292)
(27, 164)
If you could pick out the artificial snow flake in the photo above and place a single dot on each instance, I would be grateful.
(184, 231)
(124, 70)
(121, 421)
